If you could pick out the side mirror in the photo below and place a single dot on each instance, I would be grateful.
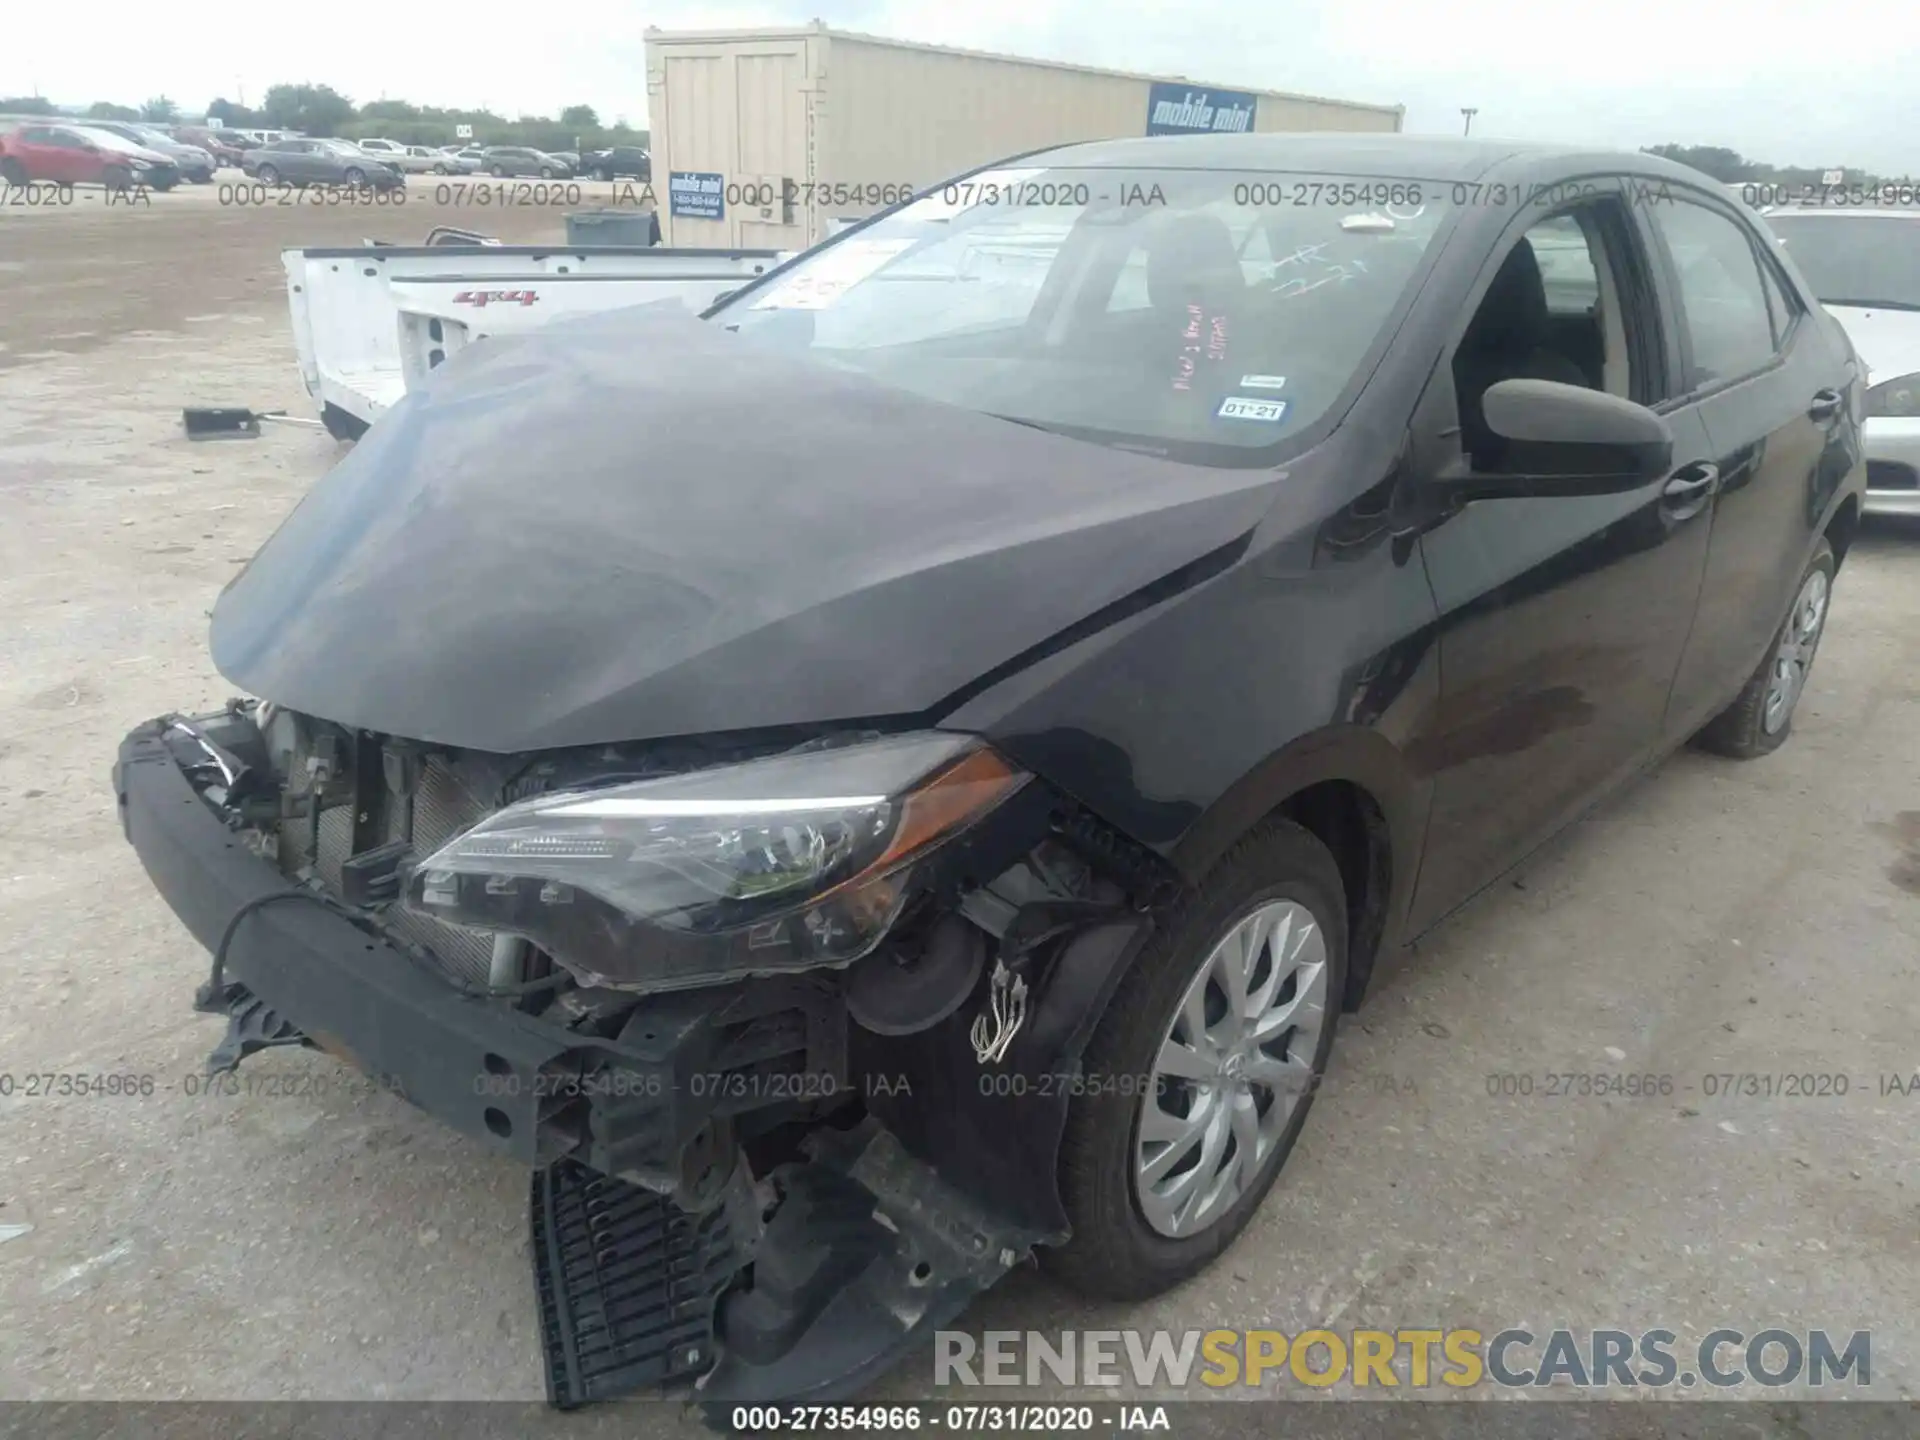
(1569, 440)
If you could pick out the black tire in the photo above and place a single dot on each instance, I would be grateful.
(1740, 731)
(1114, 1253)
(12, 171)
(356, 177)
(499, 172)
(546, 172)
(267, 175)
(340, 425)
(441, 170)
(604, 176)
(163, 186)
(117, 177)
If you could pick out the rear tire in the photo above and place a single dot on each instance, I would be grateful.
(499, 172)
(12, 171)
(546, 172)
(1116, 1252)
(267, 175)
(1760, 718)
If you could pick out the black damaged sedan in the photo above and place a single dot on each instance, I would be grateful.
(907, 770)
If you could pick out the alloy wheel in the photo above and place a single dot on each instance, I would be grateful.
(1795, 656)
(1235, 1063)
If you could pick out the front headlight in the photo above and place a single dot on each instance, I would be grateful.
(771, 865)
(1899, 396)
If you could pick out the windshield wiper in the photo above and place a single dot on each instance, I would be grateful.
(1874, 304)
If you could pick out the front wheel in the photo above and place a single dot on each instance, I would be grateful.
(603, 175)
(499, 172)
(546, 172)
(1761, 717)
(356, 177)
(1220, 1032)
(12, 171)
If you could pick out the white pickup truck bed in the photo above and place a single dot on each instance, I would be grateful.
(369, 322)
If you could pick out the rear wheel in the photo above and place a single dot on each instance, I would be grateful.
(499, 172)
(1228, 1019)
(12, 171)
(267, 175)
(603, 174)
(546, 172)
(1761, 716)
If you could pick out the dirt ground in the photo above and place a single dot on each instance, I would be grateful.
(1719, 919)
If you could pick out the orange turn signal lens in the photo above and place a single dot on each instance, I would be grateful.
(950, 800)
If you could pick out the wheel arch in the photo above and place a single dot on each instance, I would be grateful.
(1353, 790)
(1841, 529)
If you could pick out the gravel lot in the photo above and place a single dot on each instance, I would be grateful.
(1718, 918)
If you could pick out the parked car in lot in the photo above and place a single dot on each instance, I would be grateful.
(618, 163)
(82, 155)
(568, 158)
(462, 159)
(1864, 265)
(311, 162)
(190, 161)
(504, 160)
(225, 149)
(408, 159)
(1237, 588)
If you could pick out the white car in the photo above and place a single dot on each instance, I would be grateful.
(411, 159)
(1865, 267)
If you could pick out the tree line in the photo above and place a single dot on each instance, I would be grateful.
(1730, 167)
(321, 110)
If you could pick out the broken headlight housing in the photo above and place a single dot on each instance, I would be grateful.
(765, 866)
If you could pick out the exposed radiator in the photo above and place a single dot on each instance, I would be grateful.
(442, 807)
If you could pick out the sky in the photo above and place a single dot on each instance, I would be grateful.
(1626, 73)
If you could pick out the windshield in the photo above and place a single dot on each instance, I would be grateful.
(1192, 307)
(111, 140)
(1856, 259)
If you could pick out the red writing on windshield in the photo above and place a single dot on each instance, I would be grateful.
(1203, 340)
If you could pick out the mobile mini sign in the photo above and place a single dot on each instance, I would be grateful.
(696, 195)
(1174, 109)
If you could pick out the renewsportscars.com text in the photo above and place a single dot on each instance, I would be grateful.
(1514, 1358)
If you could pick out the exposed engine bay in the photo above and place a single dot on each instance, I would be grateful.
(814, 1044)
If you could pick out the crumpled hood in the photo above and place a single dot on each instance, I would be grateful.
(640, 524)
(1888, 340)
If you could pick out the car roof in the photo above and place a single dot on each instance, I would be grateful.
(1426, 157)
(1848, 212)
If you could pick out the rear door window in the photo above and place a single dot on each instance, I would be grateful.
(1723, 300)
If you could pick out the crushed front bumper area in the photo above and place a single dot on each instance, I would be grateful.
(854, 1252)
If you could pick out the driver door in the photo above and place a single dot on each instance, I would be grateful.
(1563, 619)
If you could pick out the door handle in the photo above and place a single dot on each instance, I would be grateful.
(1825, 404)
(1692, 482)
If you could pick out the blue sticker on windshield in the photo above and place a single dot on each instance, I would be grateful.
(1248, 407)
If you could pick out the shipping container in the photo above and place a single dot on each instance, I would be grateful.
(763, 138)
